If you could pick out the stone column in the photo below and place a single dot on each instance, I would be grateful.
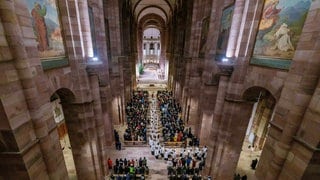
(235, 27)
(257, 118)
(207, 102)
(80, 121)
(100, 126)
(163, 49)
(106, 104)
(193, 82)
(232, 130)
(47, 143)
(260, 130)
(85, 28)
(140, 45)
(214, 128)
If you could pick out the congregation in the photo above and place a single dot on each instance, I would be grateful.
(129, 169)
(183, 163)
(136, 114)
(173, 126)
(162, 114)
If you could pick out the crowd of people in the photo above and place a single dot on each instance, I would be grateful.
(136, 113)
(172, 124)
(165, 118)
(183, 163)
(129, 169)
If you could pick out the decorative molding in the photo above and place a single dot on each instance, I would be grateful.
(92, 67)
(306, 144)
(273, 124)
(78, 103)
(234, 100)
(226, 68)
(54, 63)
(22, 151)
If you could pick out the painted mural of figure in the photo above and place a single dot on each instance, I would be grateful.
(203, 38)
(40, 27)
(270, 14)
(283, 40)
(223, 39)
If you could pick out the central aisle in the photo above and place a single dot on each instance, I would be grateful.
(157, 168)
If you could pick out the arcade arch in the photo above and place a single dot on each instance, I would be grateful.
(257, 129)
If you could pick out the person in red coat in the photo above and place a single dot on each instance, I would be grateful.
(109, 163)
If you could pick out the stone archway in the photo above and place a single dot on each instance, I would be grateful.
(257, 129)
(63, 95)
(79, 124)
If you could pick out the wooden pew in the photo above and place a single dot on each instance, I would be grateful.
(174, 144)
(135, 143)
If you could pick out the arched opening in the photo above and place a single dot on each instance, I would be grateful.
(152, 65)
(257, 129)
(149, 69)
(63, 96)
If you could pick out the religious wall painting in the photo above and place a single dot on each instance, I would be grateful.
(93, 31)
(279, 31)
(225, 25)
(57, 110)
(203, 37)
(47, 29)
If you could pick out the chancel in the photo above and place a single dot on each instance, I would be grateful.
(159, 89)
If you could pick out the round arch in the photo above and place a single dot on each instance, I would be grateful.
(253, 93)
(158, 20)
(139, 1)
(152, 7)
(66, 95)
(275, 92)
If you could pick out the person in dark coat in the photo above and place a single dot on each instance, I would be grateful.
(254, 163)
(244, 177)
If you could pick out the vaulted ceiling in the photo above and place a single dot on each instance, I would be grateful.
(152, 13)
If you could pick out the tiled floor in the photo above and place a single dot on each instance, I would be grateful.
(150, 76)
(246, 156)
(67, 154)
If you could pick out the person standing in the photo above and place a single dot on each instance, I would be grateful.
(119, 146)
(254, 163)
(109, 163)
(244, 177)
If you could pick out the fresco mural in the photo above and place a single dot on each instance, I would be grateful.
(279, 32)
(46, 27)
(204, 35)
(224, 32)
